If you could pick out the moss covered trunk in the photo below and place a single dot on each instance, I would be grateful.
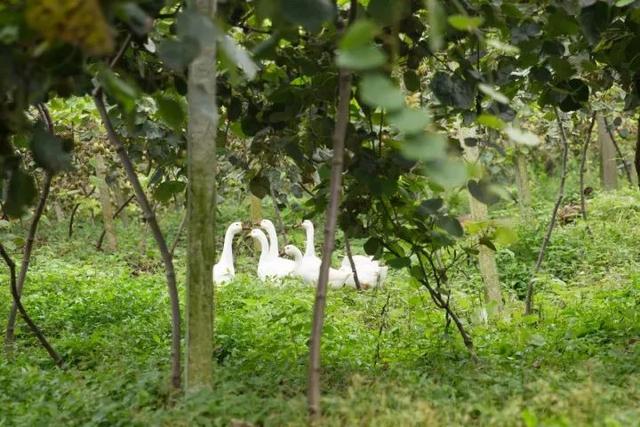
(201, 208)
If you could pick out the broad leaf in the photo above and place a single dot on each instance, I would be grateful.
(378, 91)
(361, 58)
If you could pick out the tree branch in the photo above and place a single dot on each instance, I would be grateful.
(150, 218)
(335, 183)
(583, 162)
(16, 300)
(28, 247)
(627, 171)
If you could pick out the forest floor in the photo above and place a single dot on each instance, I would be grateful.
(387, 358)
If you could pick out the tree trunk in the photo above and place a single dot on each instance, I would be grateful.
(637, 156)
(152, 222)
(608, 166)
(583, 166)
(105, 201)
(547, 238)
(58, 211)
(121, 200)
(16, 300)
(486, 257)
(255, 211)
(201, 210)
(522, 184)
(28, 246)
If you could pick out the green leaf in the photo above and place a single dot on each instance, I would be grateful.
(372, 246)
(411, 81)
(259, 186)
(19, 193)
(465, 23)
(167, 189)
(136, 18)
(430, 206)
(492, 93)
(377, 90)
(520, 136)
(482, 191)
(311, 14)
(491, 121)
(195, 26)
(451, 225)
(178, 54)
(361, 58)
(484, 240)
(448, 173)
(503, 47)
(359, 34)
(171, 112)
(623, 3)
(437, 26)
(238, 56)
(425, 146)
(409, 120)
(453, 90)
(125, 93)
(387, 12)
(49, 151)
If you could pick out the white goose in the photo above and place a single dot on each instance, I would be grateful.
(273, 243)
(309, 269)
(269, 267)
(224, 270)
(370, 272)
(310, 249)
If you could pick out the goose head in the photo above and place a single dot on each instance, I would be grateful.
(235, 227)
(266, 224)
(293, 252)
(306, 224)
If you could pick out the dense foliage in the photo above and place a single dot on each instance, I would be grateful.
(408, 114)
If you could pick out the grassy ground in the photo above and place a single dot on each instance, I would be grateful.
(387, 359)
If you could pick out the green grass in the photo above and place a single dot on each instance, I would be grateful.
(577, 362)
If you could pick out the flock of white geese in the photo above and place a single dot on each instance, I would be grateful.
(306, 266)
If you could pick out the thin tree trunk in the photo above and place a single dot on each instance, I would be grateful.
(340, 131)
(486, 256)
(122, 202)
(176, 239)
(627, 169)
(583, 163)
(28, 246)
(105, 202)
(71, 218)
(552, 222)
(608, 166)
(522, 183)
(201, 210)
(637, 157)
(16, 300)
(255, 213)
(347, 246)
(150, 217)
(115, 215)
(276, 210)
(59, 211)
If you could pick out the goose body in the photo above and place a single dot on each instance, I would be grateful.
(308, 268)
(370, 272)
(269, 267)
(310, 249)
(224, 271)
(268, 226)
